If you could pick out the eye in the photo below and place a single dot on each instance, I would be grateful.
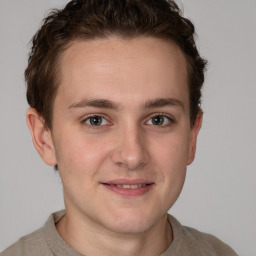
(95, 121)
(160, 120)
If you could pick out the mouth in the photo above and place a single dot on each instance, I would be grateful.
(129, 188)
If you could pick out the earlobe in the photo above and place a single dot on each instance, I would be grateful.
(193, 137)
(41, 136)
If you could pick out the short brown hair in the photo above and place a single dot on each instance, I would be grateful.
(91, 19)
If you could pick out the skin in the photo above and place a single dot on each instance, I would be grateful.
(119, 81)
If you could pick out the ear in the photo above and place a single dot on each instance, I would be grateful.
(41, 136)
(193, 137)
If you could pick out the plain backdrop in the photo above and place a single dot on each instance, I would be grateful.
(219, 196)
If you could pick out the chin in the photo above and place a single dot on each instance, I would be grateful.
(131, 223)
(130, 228)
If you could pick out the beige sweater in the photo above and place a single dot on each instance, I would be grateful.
(46, 241)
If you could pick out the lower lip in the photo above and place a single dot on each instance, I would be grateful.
(129, 192)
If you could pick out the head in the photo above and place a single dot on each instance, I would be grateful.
(88, 20)
(115, 90)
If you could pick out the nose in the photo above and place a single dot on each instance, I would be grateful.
(131, 150)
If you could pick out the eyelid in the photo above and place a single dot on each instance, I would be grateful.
(170, 118)
(85, 118)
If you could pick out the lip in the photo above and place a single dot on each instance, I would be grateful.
(128, 192)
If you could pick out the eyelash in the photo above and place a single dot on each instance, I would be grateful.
(170, 121)
(94, 116)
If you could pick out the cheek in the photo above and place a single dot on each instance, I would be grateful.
(79, 161)
(80, 154)
(172, 151)
(170, 160)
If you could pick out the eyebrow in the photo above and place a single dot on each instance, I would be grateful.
(96, 103)
(162, 102)
(107, 104)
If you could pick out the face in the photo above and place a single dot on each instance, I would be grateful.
(121, 131)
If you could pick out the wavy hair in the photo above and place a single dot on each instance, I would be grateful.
(94, 19)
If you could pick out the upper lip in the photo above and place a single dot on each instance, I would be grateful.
(128, 182)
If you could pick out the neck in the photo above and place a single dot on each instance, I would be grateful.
(89, 238)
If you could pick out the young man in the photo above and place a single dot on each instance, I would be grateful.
(114, 89)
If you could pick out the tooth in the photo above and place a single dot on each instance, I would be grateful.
(126, 186)
(130, 186)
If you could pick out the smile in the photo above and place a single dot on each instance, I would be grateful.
(126, 188)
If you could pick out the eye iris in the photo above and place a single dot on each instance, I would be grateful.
(95, 120)
(158, 120)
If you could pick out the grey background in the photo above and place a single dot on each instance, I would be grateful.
(219, 196)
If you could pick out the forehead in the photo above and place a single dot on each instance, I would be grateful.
(123, 69)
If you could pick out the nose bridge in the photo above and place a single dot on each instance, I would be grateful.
(131, 148)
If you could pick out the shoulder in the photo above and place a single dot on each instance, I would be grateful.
(198, 243)
(208, 242)
(45, 241)
(32, 244)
